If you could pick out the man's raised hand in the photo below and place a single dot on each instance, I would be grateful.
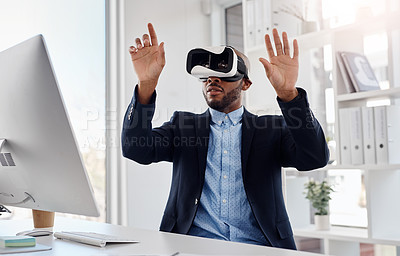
(148, 58)
(281, 69)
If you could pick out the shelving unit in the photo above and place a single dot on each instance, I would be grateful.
(370, 95)
(382, 181)
(343, 240)
(361, 167)
(349, 234)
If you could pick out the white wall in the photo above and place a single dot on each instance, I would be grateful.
(182, 26)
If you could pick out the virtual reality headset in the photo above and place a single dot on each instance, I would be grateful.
(221, 62)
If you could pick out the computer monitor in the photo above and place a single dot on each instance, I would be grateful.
(40, 165)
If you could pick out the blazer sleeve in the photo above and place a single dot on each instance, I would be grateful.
(303, 141)
(139, 141)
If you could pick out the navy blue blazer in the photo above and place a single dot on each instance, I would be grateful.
(268, 144)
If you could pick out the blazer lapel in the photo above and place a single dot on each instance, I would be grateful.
(248, 127)
(202, 127)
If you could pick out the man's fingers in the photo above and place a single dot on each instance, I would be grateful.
(133, 52)
(153, 35)
(132, 49)
(286, 44)
(146, 40)
(138, 43)
(295, 49)
(162, 53)
(278, 43)
(268, 44)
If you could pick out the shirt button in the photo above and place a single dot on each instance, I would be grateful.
(219, 122)
(226, 117)
(225, 176)
(196, 201)
(224, 201)
(225, 152)
(226, 130)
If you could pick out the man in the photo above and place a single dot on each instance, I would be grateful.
(226, 180)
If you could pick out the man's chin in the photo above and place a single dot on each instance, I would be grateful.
(214, 104)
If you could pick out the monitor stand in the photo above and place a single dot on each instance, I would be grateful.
(43, 219)
(43, 223)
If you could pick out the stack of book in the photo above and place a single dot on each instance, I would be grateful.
(369, 135)
(17, 241)
(356, 72)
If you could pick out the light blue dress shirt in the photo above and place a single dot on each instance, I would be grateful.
(224, 211)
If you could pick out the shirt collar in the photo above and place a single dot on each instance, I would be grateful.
(234, 117)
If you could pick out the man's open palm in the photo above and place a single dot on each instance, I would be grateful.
(281, 69)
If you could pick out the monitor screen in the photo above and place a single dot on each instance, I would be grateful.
(40, 165)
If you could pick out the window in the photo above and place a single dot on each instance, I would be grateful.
(234, 26)
(75, 35)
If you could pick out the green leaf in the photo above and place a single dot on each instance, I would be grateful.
(319, 195)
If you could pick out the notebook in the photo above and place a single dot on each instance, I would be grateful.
(36, 248)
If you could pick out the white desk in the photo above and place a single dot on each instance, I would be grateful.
(151, 242)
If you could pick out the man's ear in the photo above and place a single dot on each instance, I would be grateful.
(246, 84)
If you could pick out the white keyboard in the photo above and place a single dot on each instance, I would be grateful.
(93, 238)
(108, 238)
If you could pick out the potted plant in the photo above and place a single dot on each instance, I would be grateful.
(319, 195)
